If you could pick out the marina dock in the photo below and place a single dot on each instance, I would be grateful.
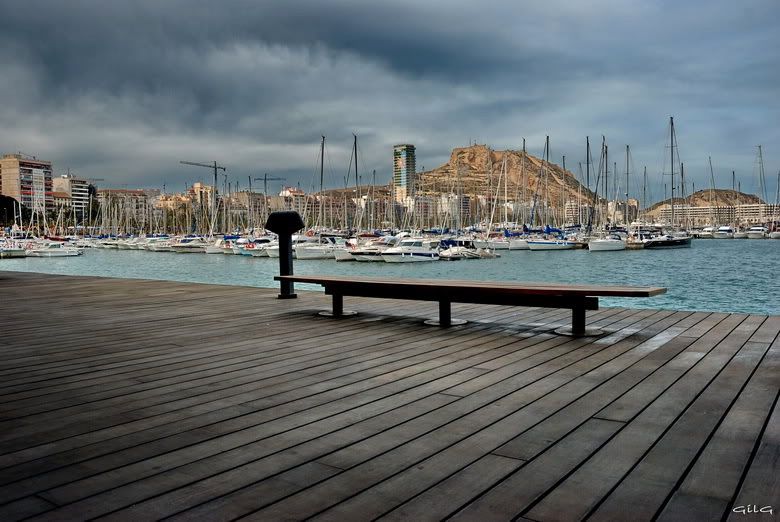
(140, 400)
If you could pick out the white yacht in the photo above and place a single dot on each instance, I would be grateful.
(757, 232)
(373, 250)
(706, 233)
(724, 232)
(216, 247)
(259, 247)
(189, 245)
(272, 250)
(158, 244)
(412, 250)
(53, 249)
(323, 247)
(494, 243)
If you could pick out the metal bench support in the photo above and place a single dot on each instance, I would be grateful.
(577, 328)
(445, 316)
(338, 308)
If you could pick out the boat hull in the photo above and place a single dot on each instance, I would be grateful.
(9, 253)
(606, 245)
(551, 245)
(410, 257)
(342, 254)
(678, 242)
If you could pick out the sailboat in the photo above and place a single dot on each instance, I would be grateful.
(613, 242)
(670, 240)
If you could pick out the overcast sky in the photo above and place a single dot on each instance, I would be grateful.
(124, 90)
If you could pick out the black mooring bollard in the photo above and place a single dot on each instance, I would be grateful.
(284, 224)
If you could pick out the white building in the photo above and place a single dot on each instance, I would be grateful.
(77, 189)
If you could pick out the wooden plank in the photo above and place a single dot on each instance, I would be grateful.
(160, 504)
(712, 482)
(583, 490)
(242, 436)
(25, 508)
(407, 483)
(761, 484)
(632, 402)
(365, 417)
(314, 386)
(512, 495)
(498, 287)
(358, 478)
(436, 503)
(648, 485)
(530, 443)
(93, 435)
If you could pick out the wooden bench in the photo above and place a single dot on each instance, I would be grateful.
(578, 298)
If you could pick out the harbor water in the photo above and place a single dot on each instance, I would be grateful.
(713, 275)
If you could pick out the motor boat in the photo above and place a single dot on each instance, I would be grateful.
(412, 250)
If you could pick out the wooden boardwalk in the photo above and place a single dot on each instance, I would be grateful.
(141, 400)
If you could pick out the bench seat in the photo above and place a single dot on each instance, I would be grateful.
(578, 298)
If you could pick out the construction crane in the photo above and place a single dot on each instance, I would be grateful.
(265, 179)
(216, 168)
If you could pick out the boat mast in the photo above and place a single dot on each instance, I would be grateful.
(506, 198)
(320, 216)
(761, 179)
(671, 152)
(644, 189)
(563, 193)
(587, 162)
(538, 181)
(606, 185)
(522, 172)
(625, 215)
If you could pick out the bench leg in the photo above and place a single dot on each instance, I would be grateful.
(578, 320)
(445, 313)
(445, 316)
(578, 329)
(338, 308)
(338, 305)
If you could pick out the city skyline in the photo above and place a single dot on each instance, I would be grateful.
(253, 86)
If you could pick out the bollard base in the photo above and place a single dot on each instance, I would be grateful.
(344, 313)
(287, 296)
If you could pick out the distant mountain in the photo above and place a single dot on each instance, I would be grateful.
(475, 170)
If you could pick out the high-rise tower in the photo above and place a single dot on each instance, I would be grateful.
(404, 171)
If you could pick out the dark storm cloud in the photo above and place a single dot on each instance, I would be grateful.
(123, 90)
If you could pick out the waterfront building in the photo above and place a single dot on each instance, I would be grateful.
(28, 180)
(619, 212)
(62, 200)
(404, 171)
(742, 215)
(577, 213)
(77, 189)
(296, 199)
(202, 193)
(129, 208)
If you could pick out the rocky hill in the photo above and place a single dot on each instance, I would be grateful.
(712, 198)
(476, 171)
(706, 198)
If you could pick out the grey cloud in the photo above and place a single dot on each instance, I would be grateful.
(123, 90)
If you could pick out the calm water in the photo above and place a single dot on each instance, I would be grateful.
(712, 275)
